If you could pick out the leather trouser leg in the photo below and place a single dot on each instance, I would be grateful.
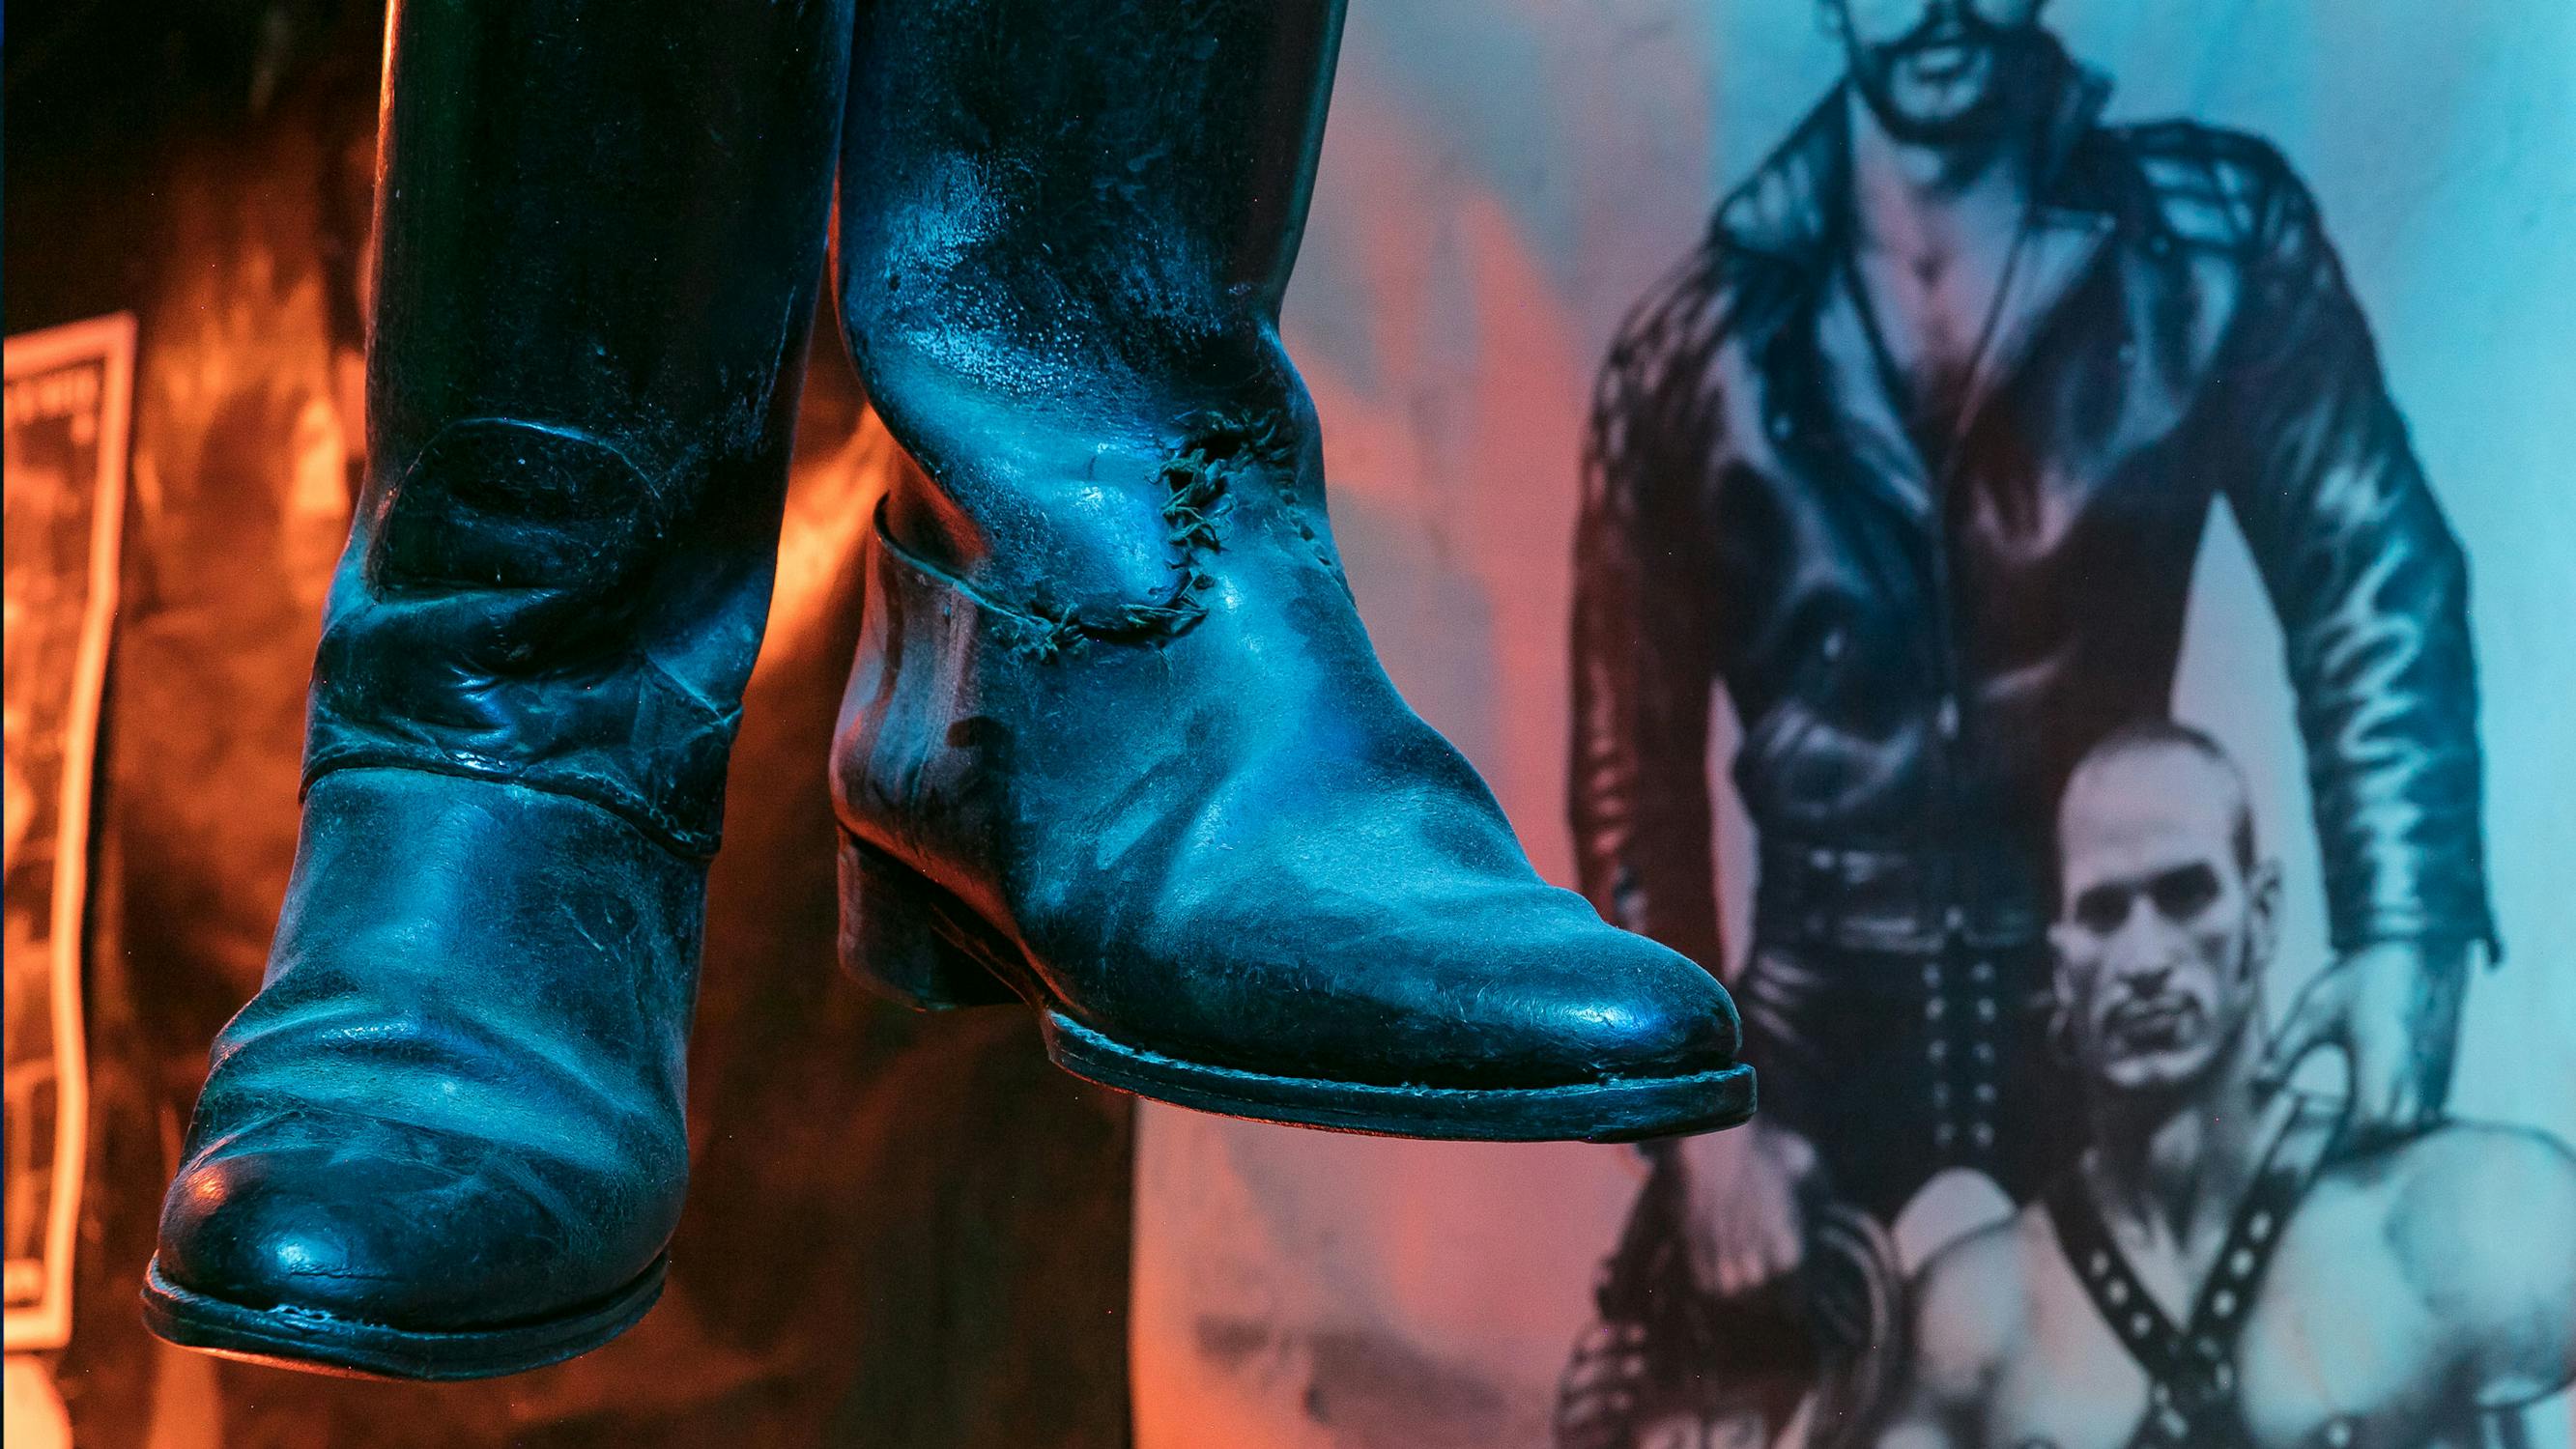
(1897, 1065)
(445, 1139)
(1115, 742)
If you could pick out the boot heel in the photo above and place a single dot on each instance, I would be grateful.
(899, 942)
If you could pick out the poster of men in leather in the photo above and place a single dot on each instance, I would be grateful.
(2053, 511)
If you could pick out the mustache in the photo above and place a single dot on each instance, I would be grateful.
(1961, 26)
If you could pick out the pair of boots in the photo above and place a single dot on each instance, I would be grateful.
(1115, 744)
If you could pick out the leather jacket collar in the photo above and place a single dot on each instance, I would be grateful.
(1796, 207)
(1796, 212)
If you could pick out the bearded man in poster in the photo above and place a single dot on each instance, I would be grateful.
(1913, 455)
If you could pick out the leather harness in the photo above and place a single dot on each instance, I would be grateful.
(2191, 1369)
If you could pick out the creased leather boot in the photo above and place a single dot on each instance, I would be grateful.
(445, 1140)
(1115, 742)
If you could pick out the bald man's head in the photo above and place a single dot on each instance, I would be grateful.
(2142, 759)
(2165, 914)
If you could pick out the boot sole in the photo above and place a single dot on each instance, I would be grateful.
(311, 1340)
(916, 943)
(1618, 1110)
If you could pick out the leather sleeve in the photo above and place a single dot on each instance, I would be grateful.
(1644, 644)
(2371, 589)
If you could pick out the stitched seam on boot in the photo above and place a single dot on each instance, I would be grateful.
(1217, 446)
(688, 844)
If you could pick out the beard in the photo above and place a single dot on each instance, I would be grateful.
(1962, 101)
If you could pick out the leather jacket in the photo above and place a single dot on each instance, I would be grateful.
(1919, 656)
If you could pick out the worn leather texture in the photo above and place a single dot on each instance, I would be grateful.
(455, 1101)
(900, 1230)
(1112, 693)
(589, 333)
(1918, 654)
(1239, 848)
(456, 1104)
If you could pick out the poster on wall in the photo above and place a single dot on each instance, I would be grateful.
(2014, 533)
(69, 390)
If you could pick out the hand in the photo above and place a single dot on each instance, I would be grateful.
(2394, 1011)
(1741, 1222)
(1599, 1396)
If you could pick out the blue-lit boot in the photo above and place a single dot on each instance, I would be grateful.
(1116, 743)
(445, 1139)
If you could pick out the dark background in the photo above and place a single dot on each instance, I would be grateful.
(901, 1230)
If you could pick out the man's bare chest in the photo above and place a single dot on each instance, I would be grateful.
(2336, 1353)
(1926, 315)
(1931, 313)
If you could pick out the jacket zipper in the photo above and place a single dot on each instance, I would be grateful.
(1947, 724)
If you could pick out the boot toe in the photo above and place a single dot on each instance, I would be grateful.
(1471, 993)
(1546, 1028)
(1612, 1005)
(388, 1226)
(1563, 1003)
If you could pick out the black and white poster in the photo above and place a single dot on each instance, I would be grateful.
(69, 390)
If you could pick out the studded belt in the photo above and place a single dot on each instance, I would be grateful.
(1989, 896)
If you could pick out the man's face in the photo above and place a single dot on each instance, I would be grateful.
(1934, 70)
(2161, 936)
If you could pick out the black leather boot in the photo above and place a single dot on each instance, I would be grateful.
(1116, 742)
(445, 1140)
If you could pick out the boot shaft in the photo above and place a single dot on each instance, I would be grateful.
(1039, 194)
(599, 229)
(1065, 230)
